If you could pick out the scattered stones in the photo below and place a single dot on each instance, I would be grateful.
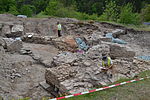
(97, 51)
(86, 63)
(94, 39)
(64, 58)
(84, 73)
(68, 72)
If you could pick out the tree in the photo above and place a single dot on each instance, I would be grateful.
(111, 12)
(145, 13)
(52, 7)
(13, 10)
(26, 10)
(127, 16)
(40, 5)
(5, 5)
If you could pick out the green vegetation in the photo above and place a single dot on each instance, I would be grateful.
(145, 13)
(127, 16)
(133, 91)
(119, 11)
(111, 12)
(26, 10)
(139, 90)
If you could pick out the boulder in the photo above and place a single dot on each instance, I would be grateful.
(65, 43)
(12, 45)
(17, 31)
(116, 33)
(6, 30)
(120, 51)
(105, 39)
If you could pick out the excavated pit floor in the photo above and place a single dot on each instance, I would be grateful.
(20, 75)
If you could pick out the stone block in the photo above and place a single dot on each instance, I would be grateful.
(116, 33)
(5, 30)
(120, 51)
(17, 31)
(12, 45)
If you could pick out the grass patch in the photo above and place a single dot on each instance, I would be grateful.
(136, 27)
(133, 91)
(41, 15)
(140, 27)
(139, 90)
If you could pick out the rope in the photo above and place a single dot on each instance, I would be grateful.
(100, 89)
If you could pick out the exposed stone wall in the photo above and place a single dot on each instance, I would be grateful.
(75, 72)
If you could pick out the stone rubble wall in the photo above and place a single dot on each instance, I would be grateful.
(75, 72)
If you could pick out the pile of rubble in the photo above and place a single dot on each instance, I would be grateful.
(75, 72)
(31, 55)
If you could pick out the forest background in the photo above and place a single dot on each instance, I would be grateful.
(120, 11)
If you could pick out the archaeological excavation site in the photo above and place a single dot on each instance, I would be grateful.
(36, 63)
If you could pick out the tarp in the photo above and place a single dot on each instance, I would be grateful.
(146, 23)
(109, 35)
(81, 44)
(144, 57)
(119, 41)
(115, 40)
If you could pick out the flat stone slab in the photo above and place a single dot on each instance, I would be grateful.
(44, 85)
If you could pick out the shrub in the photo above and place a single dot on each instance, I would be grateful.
(145, 14)
(65, 12)
(26, 10)
(52, 7)
(127, 16)
(93, 17)
(81, 16)
(13, 10)
(110, 13)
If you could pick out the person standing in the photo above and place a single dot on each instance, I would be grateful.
(59, 29)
